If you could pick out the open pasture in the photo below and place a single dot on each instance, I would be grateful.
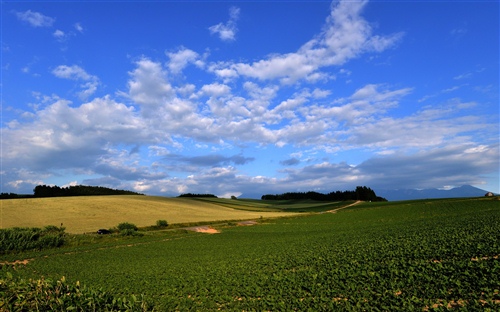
(82, 214)
(404, 256)
(277, 205)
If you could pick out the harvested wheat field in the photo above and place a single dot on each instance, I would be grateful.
(82, 214)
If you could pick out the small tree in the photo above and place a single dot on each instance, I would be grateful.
(161, 223)
(127, 226)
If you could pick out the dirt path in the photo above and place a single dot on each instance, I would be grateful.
(347, 206)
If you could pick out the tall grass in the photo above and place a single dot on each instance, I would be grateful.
(22, 239)
(58, 295)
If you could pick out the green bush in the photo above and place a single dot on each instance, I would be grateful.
(127, 226)
(22, 239)
(161, 223)
(47, 295)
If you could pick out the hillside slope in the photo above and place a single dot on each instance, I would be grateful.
(88, 214)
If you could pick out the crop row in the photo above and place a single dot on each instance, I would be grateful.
(377, 257)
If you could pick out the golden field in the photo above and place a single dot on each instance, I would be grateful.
(82, 214)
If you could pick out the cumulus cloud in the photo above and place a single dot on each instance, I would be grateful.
(75, 72)
(35, 19)
(149, 85)
(346, 35)
(61, 135)
(227, 31)
(180, 59)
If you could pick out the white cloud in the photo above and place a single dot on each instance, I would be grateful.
(215, 90)
(62, 136)
(74, 72)
(77, 73)
(149, 86)
(59, 34)
(181, 58)
(346, 35)
(79, 27)
(227, 31)
(35, 19)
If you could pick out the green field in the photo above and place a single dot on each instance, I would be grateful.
(418, 255)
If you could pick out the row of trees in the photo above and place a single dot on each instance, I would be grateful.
(77, 190)
(197, 195)
(360, 193)
(13, 195)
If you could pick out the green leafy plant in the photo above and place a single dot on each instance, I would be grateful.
(22, 239)
(127, 226)
(161, 223)
(59, 295)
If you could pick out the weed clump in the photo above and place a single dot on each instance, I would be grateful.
(24, 238)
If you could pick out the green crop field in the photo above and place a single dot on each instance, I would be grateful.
(404, 256)
(89, 213)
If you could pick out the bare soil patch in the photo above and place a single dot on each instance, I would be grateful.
(203, 229)
(22, 262)
(350, 205)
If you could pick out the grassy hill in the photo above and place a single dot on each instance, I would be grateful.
(87, 214)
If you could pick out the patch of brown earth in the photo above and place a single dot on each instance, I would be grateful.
(350, 205)
(23, 262)
(203, 229)
(485, 258)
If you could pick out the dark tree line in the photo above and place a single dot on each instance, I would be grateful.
(14, 195)
(360, 193)
(197, 195)
(77, 190)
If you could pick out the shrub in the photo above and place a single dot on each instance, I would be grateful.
(161, 223)
(127, 226)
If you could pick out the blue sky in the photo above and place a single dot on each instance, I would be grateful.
(250, 98)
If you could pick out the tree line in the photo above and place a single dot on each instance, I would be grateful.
(360, 193)
(197, 195)
(75, 190)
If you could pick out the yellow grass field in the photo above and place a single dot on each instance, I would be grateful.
(90, 213)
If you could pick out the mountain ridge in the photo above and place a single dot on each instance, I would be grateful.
(408, 194)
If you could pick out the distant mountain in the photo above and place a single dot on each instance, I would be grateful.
(407, 194)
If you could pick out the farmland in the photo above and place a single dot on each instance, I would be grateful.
(87, 214)
(418, 255)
